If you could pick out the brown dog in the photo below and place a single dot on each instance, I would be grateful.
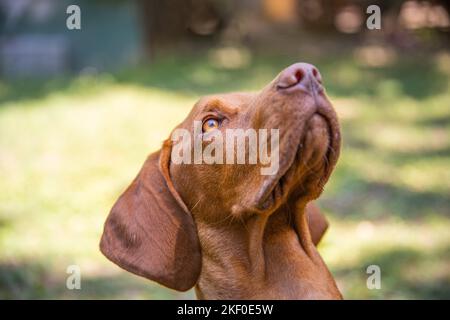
(227, 229)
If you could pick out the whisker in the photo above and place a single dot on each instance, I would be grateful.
(196, 204)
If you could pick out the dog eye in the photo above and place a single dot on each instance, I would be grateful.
(210, 124)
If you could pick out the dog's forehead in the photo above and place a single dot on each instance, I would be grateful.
(229, 101)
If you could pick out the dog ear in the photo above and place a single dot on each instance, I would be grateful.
(150, 233)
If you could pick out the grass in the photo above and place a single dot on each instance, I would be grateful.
(69, 146)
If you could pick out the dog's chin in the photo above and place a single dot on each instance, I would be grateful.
(302, 179)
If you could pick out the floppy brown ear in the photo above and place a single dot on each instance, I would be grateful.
(149, 234)
(317, 222)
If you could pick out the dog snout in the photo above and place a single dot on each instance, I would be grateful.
(300, 77)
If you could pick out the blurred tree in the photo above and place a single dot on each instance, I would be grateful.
(167, 23)
(319, 15)
(173, 22)
(281, 11)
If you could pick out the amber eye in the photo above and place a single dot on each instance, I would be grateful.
(210, 124)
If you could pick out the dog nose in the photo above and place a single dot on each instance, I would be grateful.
(300, 76)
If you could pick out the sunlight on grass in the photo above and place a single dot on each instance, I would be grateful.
(63, 161)
(411, 256)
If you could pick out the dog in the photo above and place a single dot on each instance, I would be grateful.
(227, 229)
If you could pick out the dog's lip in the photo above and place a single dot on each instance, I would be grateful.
(277, 188)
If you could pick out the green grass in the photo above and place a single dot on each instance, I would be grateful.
(68, 147)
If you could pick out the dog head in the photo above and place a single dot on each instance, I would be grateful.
(235, 155)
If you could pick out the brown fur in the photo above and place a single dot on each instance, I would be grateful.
(227, 229)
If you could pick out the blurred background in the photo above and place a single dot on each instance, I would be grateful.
(81, 109)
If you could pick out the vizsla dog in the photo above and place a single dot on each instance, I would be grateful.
(227, 229)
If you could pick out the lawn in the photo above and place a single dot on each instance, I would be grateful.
(69, 146)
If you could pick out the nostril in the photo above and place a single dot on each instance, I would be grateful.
(290, 78)
(316, 75)
(299, 75)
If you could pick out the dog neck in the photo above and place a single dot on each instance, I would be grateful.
(271, 256)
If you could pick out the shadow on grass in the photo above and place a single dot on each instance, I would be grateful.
(195, 74)
(32, 89)
(4, 222)
(356, 196)
(437, 122)
(360, 199)
(198, 76)
(397, 157)
(33, 280)
(406, 77)
(405, 274)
